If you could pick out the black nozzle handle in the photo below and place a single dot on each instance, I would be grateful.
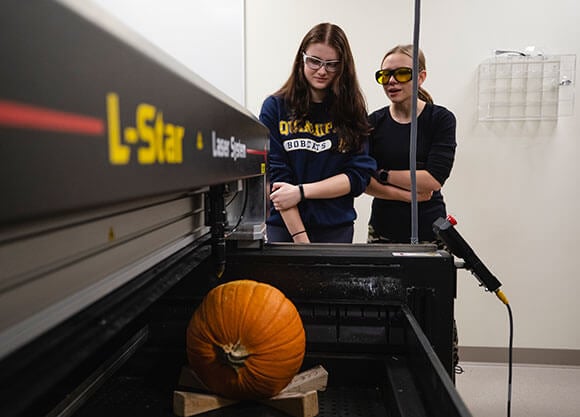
(445, 230)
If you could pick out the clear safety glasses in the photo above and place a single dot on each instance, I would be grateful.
(316, 63)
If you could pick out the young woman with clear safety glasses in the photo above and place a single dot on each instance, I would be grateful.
(318, 160)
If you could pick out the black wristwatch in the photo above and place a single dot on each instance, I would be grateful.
(383, 176)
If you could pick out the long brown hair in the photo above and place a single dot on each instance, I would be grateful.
(347, 103)
(408, 50)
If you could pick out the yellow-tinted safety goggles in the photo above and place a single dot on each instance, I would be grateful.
(401, 75)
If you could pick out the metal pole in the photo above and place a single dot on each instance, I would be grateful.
(413, 147)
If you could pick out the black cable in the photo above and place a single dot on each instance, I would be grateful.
(504, 300)
(232, 199)
(246, 193)
(510, 361)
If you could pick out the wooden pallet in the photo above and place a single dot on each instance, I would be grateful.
(298, 399)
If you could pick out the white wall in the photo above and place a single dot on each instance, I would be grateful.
(514, 188)
(204, 35)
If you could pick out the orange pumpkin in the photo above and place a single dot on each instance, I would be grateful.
(245, 340)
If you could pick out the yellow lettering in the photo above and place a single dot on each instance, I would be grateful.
(145, 113)
(283, 127)
(319, 129)
(170, 151)
(178, 134)
(199, 141)
(294, 127)
(328, 128)
(158, 142)
(316, 129)
(173, 143)
(159, 138)
(131, 135)
(119, 153)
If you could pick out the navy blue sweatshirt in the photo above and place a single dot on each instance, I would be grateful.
(302, 155)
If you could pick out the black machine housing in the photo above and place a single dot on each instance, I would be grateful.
(377, 318)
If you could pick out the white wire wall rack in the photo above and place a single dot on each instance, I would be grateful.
(522, 87)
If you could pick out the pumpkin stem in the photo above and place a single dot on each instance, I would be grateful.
(234, 355)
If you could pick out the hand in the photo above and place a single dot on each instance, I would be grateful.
(284, 195)
(424, 196)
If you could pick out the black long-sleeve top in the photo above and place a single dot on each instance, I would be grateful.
(390, 145)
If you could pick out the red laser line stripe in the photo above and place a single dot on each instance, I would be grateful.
(25, 116)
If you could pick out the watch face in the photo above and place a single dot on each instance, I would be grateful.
(383, 175)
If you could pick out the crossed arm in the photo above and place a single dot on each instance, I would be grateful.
(285, 198)
(399, 186)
